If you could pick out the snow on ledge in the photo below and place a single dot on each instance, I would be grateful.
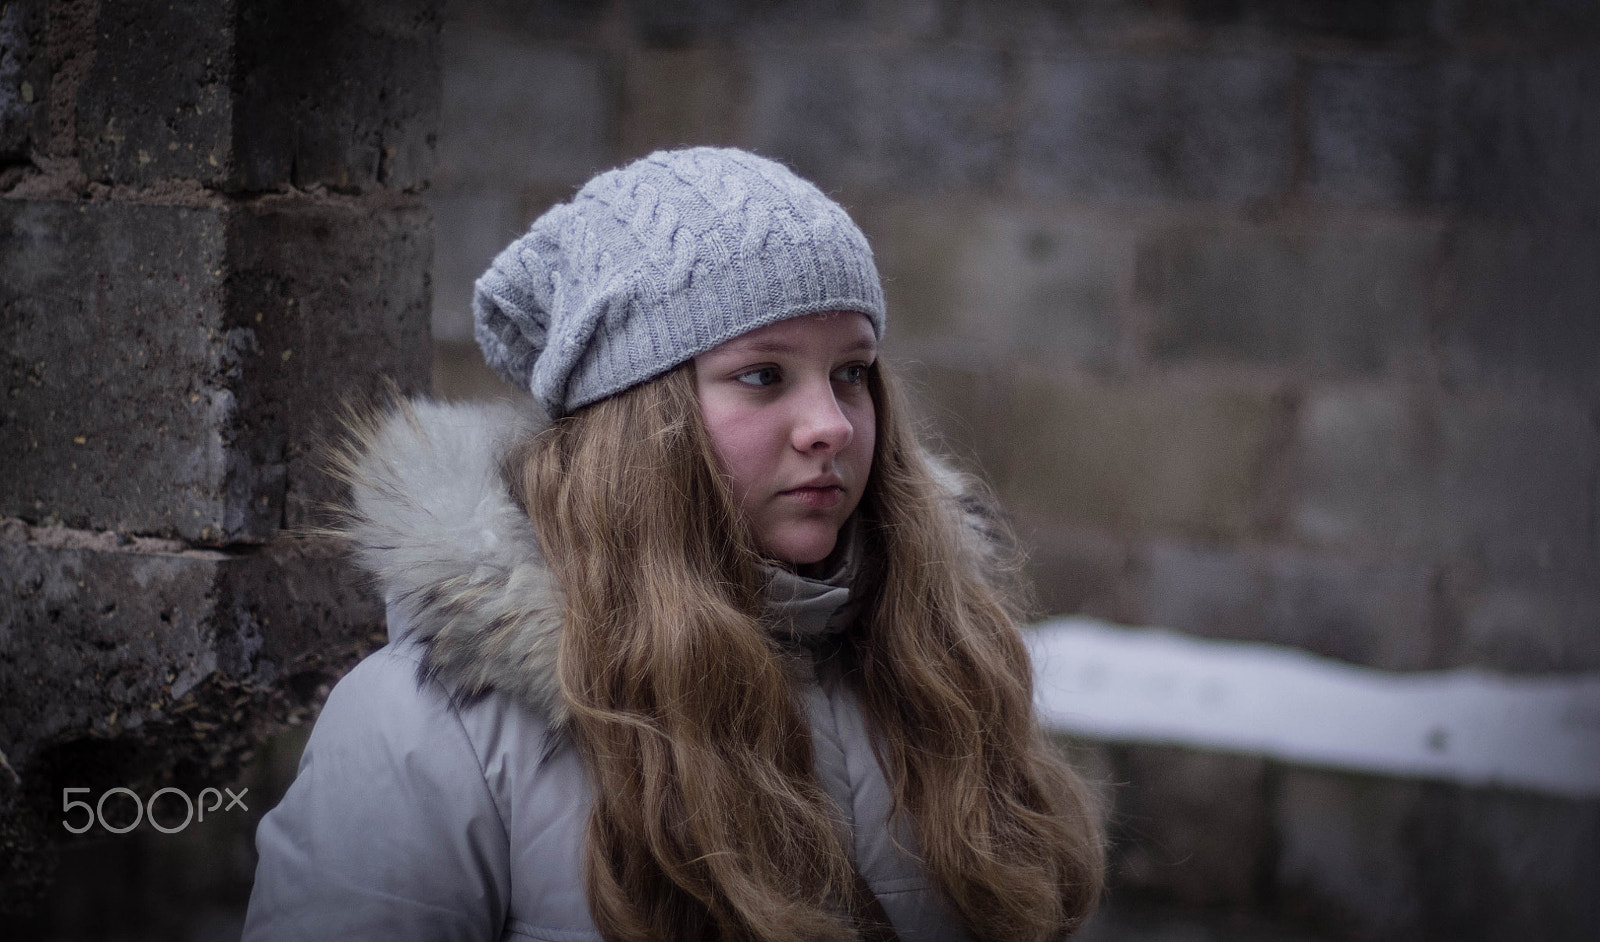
(1469, 726)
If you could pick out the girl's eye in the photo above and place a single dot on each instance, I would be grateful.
(761, 376)
(853, 374)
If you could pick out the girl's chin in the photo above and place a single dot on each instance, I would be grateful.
(802, 546)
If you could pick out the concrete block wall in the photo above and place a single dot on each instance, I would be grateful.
(210, 235)
(1270, 321)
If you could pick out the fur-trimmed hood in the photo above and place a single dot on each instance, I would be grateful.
(431, 515)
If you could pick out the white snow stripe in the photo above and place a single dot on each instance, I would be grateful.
(1538, 733)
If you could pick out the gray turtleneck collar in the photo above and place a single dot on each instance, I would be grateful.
(808, 609)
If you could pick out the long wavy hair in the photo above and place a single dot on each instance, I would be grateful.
(707, 821)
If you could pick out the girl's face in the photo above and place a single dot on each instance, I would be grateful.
(793, 426)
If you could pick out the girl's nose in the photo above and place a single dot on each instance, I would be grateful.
(820, 423)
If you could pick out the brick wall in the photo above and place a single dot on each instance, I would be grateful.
(210, 233)
(1270, 321)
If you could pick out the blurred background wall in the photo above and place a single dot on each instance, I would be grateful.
(1270, 320)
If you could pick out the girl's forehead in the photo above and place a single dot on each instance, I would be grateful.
(831, 329)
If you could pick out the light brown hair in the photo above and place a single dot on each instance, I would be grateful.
(707, 822)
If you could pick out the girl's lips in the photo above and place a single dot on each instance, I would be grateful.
(816, 498)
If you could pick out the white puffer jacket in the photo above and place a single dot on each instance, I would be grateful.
(437, 798)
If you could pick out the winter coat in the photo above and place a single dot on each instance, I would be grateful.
(438, 797)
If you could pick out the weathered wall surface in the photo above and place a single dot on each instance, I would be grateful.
(210, 234)
(1271, 321)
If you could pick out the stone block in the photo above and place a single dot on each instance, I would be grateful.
(919, 246)
(1046, 288)
(116, 357)
(1345, 300)
(342, 94)
(459, 372)
(100, 635)
(959, 411)
(94, 640)
(520, 113)
(1559, 20)
(1502, 865)
(678, 97)
(1147, 457)
(168, 369)
(1371, 124)
(1192, 827)
(24, 79)
(1132, 917)
(1521, 310)
(669, 23)
(336, 295)
(573, 20)
(1361, 20)
(1079, 572)
(1350, 857)
(309, 603)
(1346, 852)
(986, 285)
(1498, 480)
(1519, 139)
(1096, 764)
(1131, 128)
(1534, 620)
(155, 102)
(881, 119)
(794, 22)
(268, 94)
(470, 228)
(1345, 21)
(1045, 24)
(1374, 612)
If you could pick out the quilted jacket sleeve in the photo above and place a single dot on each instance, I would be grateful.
(389, 830)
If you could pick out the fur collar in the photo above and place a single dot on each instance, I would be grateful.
(431, 516)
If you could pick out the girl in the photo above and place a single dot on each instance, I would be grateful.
(712, 653)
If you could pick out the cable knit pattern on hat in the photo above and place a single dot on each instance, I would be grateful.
(659, 261)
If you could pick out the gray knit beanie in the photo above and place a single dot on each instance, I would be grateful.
(658, 262)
